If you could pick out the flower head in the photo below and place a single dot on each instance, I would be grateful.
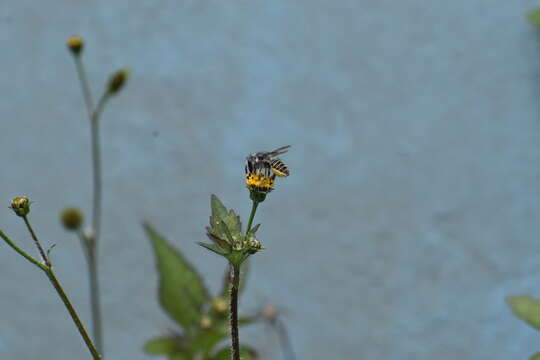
(71, 218)
(261, 171)
(75, 44)
(21, 206)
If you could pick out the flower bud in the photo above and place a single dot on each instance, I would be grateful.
(220, 305)
(117, 81)
(252, 244)
(206, 322)
(75, 44)
(71, 218)
(21, 206)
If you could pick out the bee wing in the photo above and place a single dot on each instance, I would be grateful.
(280, 150)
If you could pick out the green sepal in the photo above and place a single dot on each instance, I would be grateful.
(254, 229)
(526, 308)
(246, 353)
(163, 345)
(182, 292)
(534, 17)
(214, 248)
(535, 356)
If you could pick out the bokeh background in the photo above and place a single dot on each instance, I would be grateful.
(412, 208)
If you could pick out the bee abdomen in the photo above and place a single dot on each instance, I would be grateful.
(279, 168)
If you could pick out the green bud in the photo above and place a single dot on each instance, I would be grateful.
(220, 305)
(117, 81)
(21, 206)
(71, 218)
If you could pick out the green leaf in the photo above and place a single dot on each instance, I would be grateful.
(207, 340)
(246, 353)
(218, 209)
(534, 17)
(535, 356)
(526, 308)
(163, 345)
(179, 356)
(221, 214)
(182, 293)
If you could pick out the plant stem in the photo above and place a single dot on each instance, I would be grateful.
(235, 283)
(284, 339)
(54, 281)
(36, 241)
(87, 94)
(94, 297)
(48, 270)
(91, 245)
(251, 216)
(92, 249)
(22, 252)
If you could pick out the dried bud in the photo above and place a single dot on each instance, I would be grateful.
(75, 44)
(71, 218)
(269, 312)
(206, 322)
(220, 305)
(117, 81)
(21, 206)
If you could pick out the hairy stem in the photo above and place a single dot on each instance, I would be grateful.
(235, 283)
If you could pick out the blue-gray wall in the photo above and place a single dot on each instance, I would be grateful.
(412, 209)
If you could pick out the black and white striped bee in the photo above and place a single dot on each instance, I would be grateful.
(267, 164)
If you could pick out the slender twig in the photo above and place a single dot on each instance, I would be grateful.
(48, 270)
(87, 94)
(36, 241)
(73, 313)
(235, 283)
(22, 252)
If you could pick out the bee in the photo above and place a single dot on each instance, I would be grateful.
(267, 164)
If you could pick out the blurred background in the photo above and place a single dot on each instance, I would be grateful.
(412, 206)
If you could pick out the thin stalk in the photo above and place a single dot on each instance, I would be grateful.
(235, 284)
(252, 216)
(91, 245)
(22, 252)
(36, 241)
(48, 270)
(284, 339)
(94, 297)
(87, 94)
(54, 281)
(92, 248)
